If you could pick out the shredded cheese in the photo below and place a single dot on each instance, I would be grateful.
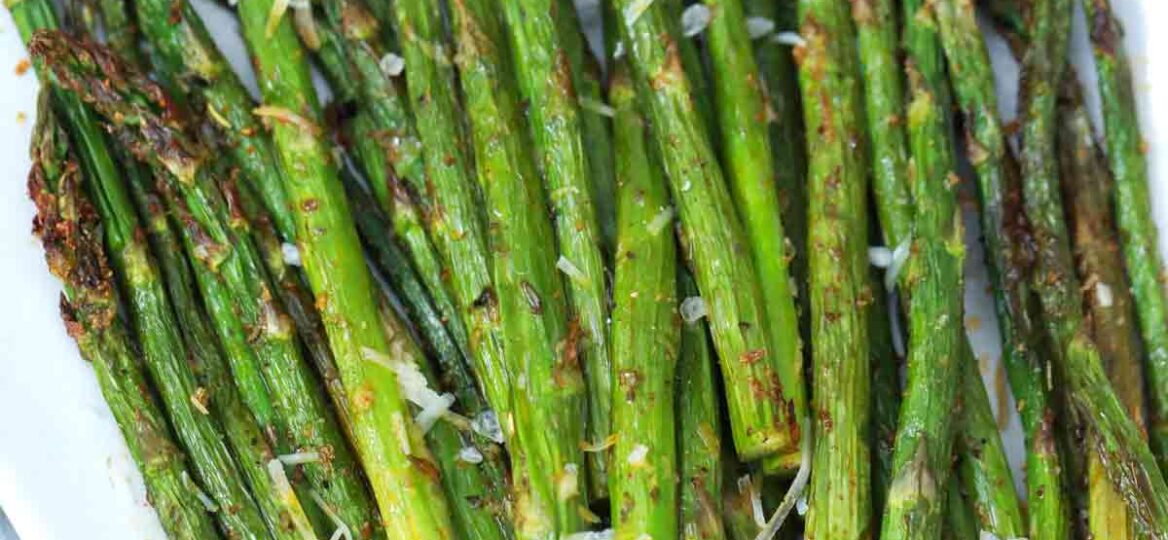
(694, 20)
(299, 458)
(759, 27)
(692, 309)
(790, 38)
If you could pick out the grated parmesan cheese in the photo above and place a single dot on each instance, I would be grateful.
(692, 309)
(636, 457)
(299, 458)
(694, 20)
(789, 38)
(290, 253)
(392, 64)
(571, 270)
(759, 27)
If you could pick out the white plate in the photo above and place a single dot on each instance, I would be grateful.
(64, 471)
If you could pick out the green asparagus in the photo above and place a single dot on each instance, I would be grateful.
(699, 432)
(1086, 186)
(645, 336)
(165, 355)
(1006, 243)
(840, 502)
(764, 390)
(934, 277)
(780, 83)
(457, 228)
(1132, 209)
(1129, 463)
(548, 86)
(877, 42)
(548, 397)
(740, 104)
(183, 51)
(67, 224)
(390, 446)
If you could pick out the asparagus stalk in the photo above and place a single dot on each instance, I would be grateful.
(885, 392)
(840, 503)
(645, 336)
(182, 50)
(763, 389)
(389, 259)
(1006, 245)
(936, 341)
(692, 62)
(983, 469)
(68, 226)
(150, 311)
(293, 293)
(472, 474)
(548, 84)
(780, 84)
(1133, 212)
(247, 440)
(549, 395)
(1129, 463)
(746, 157)
(346, 39)
(1086, 185)
(877, 43)
(699, 432)
(595, 125)
(457, 229)
(448, 337)
(257, 336)
(391, 448)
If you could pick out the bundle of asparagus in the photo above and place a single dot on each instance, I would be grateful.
(499, 292)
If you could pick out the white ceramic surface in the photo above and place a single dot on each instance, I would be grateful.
(64, 471)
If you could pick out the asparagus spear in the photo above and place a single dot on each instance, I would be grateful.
(391, 448)
(877, 42)
(1086, 185)
(745, 146)
(840, 504)
(257, 336)
(780, 85)
(645, 336)
(68, 226)
(548, 84)
(457, 228)
(153, 320)
(1129, 463)
(763, 389)
(473, 474)
(1006, 245)
(885, 392)
(691, 62)
(548, 396)
(347, 41)
(251, 447)
(448, 337)
(1133, 212)
(182, 50)
(595, 126)
(925, 436)
(983, 469)
(699, 432)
